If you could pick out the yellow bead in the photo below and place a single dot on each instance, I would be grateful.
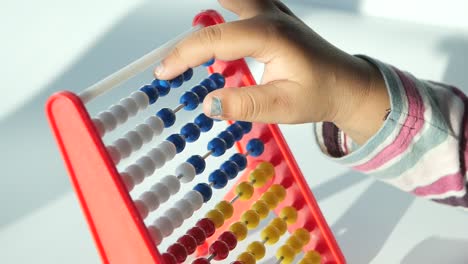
(303, 234)
(286, 254)
(289, 214)
(244, 190)
(311, 257)
(247, 258)
(279, 191)
(258, 178)
(295, 243)
(257, 249)
(261, 207)
(250, 218)
(280, 224)
(239, 229)
(216, 216)
(226, 208)
(270, 199)
(268, 168)
(270, 234)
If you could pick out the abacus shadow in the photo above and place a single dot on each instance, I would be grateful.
(428, 251)
(33, 173)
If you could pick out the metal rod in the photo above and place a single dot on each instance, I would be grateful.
(178, 108)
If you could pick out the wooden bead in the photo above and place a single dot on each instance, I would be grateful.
(270, 234)
(226, 208)
(250, 218)
(271, 199)
(286, 254)
(258, 178)
(239, 229)
(247, 258)
(289, 214)
(261, 207)
(244, 190)
(257, 249)
(216, 216)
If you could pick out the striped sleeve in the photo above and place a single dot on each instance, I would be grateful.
(421, 147)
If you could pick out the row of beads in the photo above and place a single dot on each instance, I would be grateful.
(293, 246)
(177, 219)
(223, 211)
(154, 125)
(270, 235)
(108, 120)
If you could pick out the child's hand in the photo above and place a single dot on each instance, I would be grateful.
(306, 79)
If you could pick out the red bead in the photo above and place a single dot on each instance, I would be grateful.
(229, 238)
(220, 249)
(201, 261)
(197, 233)
(168, 258)
(178, 251)
(189, 243)
(207, 225)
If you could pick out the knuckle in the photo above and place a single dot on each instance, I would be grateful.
(249, 107)
(210, 34)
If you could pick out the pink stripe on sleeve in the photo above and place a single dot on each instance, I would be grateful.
(453, 182)
(413, 125)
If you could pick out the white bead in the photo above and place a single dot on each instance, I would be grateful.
(161, 191)
(156, 123)
(99, 127)
(114, 153)
(169, 149)
(142, 208)
(136, 172)
(155, 234)
(185, 207)
(130, 105)
(128, 181)
(108, 120)
(135, 140)
(186, 172)
(123, 146)
(145, 132)
(158, 157)
(141, 99)
(120, 113)
(176, 217)
(164, 225)
(195, 199)
(147, 165)
(151, 200)
(172, 183)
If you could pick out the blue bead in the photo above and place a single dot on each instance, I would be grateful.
(209, 84)
(178, 141)
(190, 100)
(231, 168)
(205, 190)
(240, 160)
(219, 179)
(218, 79)
(209, 63)
(236, 131)
(201, 91)
(198, 162)
(255, 147)
(177, 81)
(246, 126)
(228, 138)
(217, 146)
(190, 131)
(162, 86)
(167, 116)
(204, 123)
(188, 74)
(151, 92)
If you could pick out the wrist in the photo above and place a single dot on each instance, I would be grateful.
(363, 101)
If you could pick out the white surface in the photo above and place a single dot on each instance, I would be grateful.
(52, 45)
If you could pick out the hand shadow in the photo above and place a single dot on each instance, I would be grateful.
(454, 251)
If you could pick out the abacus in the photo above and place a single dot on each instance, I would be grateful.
(269, 203)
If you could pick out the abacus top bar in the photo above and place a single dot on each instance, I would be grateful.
(133, 68)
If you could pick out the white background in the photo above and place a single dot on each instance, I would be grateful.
(48, 45)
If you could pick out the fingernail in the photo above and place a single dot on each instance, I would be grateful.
(216, 107)
(159, 69)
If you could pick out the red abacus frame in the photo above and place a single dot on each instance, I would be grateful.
(118, 230)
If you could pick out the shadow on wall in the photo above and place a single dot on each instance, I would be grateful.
(456, 73)
(424, 252)
(33, 172)
(370, 220)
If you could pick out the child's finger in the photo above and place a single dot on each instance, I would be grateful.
(229, 41)
(266, 103)
(247, 8)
